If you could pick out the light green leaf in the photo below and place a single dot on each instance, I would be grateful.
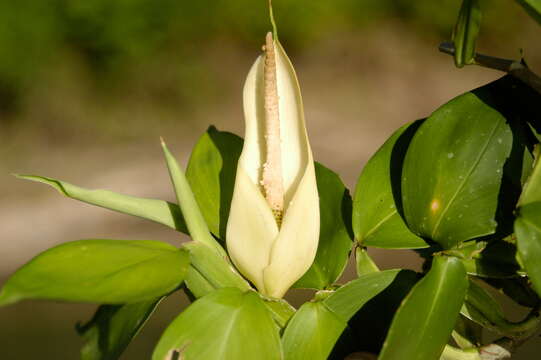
(363, 262)
(453, 170)
(99, 271)
(159, 211)
(423, 324)
(314, 329)
(195, 221)
(280, 310)
(210, 271)
(533, 8)
(312, 332)
(334, 239)
(112, 328)
(466, 32)
(376, 218)
(532, 188)
(211, 175)
(528, 232)
(227, 324)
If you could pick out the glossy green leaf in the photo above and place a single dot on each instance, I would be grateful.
(453, 170)
(99, 271)
(466, 32)
(112, 328)
(376, 220)
(533, 8)
(195, 221)
(314, 329)
(159, 211)
(211, 175)
(334, 239)
(210, 271)
(528, 232)
(423, 324)
(227, 324)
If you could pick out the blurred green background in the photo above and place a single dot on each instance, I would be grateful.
(88, 86)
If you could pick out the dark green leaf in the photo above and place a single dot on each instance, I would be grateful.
(112, 328)
(533, 8)
(453, 170)
(99, 271)
(376, 218)
(517, 289)
(225, 324)
(528, 232)
(466, 32)
(497, 260)
(211, 175)
(159, 211)
(315, 328)
(334, 239)
(423, 324)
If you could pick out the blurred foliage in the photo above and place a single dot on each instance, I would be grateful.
(109, 35)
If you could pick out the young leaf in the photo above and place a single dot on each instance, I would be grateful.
(159, 211)
(210, 271)
(364, 263)
(453, 170)
(195, 221)
(533, 8)
(314, 329)
(423, 324)
(112, 328)
(99, 271)
(466, 32)
(225, 324)
(211, 175)
(334, 239)
(528, 232)
(376, 218)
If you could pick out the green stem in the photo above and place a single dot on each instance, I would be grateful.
(515, 68)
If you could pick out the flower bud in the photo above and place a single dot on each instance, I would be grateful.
(273, 226)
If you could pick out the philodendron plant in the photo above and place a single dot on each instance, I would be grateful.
(461, 187)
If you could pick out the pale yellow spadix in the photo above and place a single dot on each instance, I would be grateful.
(273, 226)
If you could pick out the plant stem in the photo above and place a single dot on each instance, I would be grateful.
(515, 68)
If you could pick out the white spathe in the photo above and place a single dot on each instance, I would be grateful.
(274, 257)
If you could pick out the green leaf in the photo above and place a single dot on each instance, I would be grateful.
(533, 8)
(159, 211)
(517, 289)
(112, 328)
(281, 311)
(99, 271)
(423, 324)
(312, 332)
(497, 260)
(225, 324)
(211, 175)
(483, 309)
(453, 170)
(314, 329)
(195, 221)
(334, 239)
(363, 262)
(466, 32)
(210, 271)
(528, 232)
(532, 188)
(376, 218)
